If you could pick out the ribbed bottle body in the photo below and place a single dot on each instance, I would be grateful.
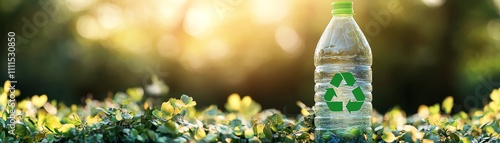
(342, 48)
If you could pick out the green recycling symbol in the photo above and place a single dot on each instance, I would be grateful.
(357, 92)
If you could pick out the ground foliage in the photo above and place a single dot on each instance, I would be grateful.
(127, 117)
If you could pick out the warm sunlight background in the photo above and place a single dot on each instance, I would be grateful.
(226, 37)
(209, 49)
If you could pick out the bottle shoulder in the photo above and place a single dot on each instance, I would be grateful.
(343, 33)
(343, 40)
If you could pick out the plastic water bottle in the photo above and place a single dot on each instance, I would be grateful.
(343, 62)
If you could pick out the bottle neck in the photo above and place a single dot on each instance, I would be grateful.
(342, 15)
(342, 8)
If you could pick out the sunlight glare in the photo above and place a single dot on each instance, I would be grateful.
(168, 46)
(433, 3)
(88, 27)
(217, 49)
(169, 12)
(78, 5)
(134, 40)
(266, 11)
(198, 20)
(497, 3)
(109, 16)
(288, 39)
(493, 29)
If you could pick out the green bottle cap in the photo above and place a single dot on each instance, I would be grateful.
(344, 7)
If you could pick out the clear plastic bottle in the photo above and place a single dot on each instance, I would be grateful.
(343, 49)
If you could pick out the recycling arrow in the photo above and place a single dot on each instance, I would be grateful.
(357, 92)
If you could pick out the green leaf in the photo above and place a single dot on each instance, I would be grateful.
(157, 113)
(21, 131)
(448, 104)
(135, 94)
(2, 124)
(211, 137)
(73, 119)
(141, 138)
(454, 137)
(275, 121)
(388, 137)
(235, 123)
(134, 132)
(268, 133)
(188, 101)
(151, 135)
(168, 128)
(162, 140)
(2, 136)
(98, 137)
(50, 138)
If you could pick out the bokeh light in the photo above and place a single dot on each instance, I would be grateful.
(265, 11)
(78, 5)
(433, 3)
(199, 20)
(288, 39)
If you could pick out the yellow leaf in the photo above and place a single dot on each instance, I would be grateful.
(17, 92)
(251, 110)
(147, 104)
(464, 140)
(249, 133)
(460, 124)
(495, 96)
(6, 86)
(304, 112)
(427, 141)
(416, 135)
(490, 130)
(66, 127)
(167, 107)
(135, 94)
(246, 101)
(423, 111)
(388, 137)
(3, 99)
(259, 130)
(200, 132)
(451, 128)
(39, 101)
(447, 104)
(40, 118)
(493, 106)
(50, 109)
(233, 102)
(73, 108)
(118, 115)
(52, 122)
(91, 120)
(434, 109)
